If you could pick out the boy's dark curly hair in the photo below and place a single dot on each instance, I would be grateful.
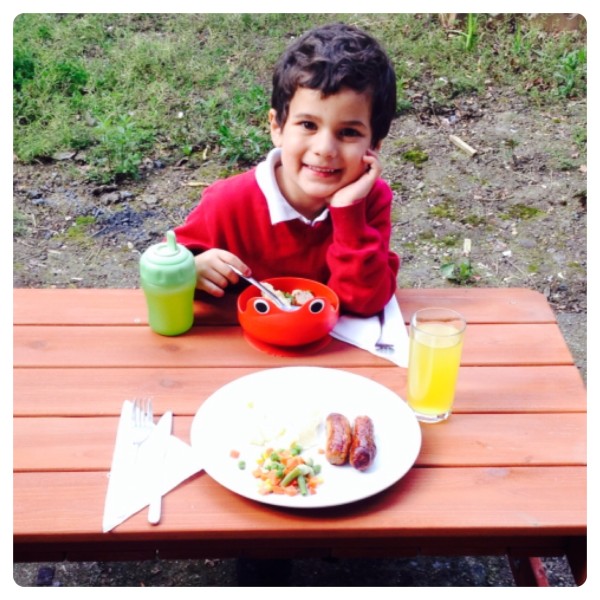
(331, 58)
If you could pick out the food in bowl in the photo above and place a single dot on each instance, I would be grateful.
(266, 322)
(293, 298)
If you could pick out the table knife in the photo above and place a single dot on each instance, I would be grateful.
(161, 439)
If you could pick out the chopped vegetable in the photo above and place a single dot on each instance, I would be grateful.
(285, 471)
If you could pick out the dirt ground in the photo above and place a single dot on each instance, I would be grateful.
(521, 199)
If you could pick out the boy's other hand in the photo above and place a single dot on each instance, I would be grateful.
(213, 273)
(360, 188)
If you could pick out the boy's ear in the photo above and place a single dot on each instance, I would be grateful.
(275, 128)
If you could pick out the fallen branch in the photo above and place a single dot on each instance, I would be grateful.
(197, 184)
(462, 145)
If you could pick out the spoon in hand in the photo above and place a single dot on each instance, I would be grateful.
(264, 289)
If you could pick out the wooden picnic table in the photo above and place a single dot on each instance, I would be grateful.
(506, 474)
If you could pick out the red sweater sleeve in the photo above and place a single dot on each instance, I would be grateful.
(363, 268)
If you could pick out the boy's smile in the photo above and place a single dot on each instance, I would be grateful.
(322, 143)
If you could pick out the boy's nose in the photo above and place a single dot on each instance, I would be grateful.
(325, 144)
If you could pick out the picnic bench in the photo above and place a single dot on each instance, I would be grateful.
(506, 474)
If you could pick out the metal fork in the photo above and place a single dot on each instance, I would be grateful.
(142, 421)
(381, 344)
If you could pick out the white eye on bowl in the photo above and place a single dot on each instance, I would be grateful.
(261, 306)
(316, 306)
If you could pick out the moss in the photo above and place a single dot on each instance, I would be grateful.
(415, 156)
(443, 210)
(521, 211)
(427, 235)
(474, 220)
(449, 241)
(79, 229)
(20, 221)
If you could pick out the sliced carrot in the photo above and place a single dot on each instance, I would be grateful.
(292, 463)
(272, 477)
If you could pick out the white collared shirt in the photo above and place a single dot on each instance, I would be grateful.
(280, 209)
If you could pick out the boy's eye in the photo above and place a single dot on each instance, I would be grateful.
(350, 132)
(309, 125)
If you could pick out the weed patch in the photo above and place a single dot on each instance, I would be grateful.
(521, 212)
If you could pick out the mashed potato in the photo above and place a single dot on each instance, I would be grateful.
(270, 425)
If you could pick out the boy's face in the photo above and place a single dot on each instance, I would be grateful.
(322, 143)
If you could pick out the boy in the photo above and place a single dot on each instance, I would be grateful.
(316, 207)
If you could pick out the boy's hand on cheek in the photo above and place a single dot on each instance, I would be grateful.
(359, 188)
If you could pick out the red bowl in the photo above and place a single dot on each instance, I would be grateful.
(263, 320)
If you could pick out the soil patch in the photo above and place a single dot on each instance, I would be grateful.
(521, 199)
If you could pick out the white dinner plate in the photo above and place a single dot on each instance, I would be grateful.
(248, 410)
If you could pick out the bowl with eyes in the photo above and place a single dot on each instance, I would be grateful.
(315, 311)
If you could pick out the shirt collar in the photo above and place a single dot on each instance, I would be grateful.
(279, 208)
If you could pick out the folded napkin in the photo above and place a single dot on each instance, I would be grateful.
(136, 476)
(364, 332)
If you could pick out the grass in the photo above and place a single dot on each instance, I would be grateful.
(117, 88)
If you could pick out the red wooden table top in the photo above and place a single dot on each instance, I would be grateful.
(505, 474)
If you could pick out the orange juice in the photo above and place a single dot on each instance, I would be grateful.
(435, 351)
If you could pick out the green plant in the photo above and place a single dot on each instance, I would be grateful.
(120, 147)
(460, 271)
(240, 135)
(23, 68)
(19, 223)
(571, 71)
(70, 77)
(469, 35)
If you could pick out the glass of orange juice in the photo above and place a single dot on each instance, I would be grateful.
(436, 340)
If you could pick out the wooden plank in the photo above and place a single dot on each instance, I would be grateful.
(534, 439)
(88, 391)
(127, 306)
(79, 306)
(110, 346)
(83, 444)
(481, 305)
(514, 389)
(34, 306)
(535, 502)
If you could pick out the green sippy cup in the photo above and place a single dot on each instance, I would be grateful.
(168, 278)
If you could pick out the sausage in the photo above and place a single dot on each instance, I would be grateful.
(339, 437)
(363, 448)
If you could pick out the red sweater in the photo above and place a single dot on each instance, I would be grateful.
(349, 250)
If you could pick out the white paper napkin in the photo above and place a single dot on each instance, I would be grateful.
(364, 332)
(132, 478)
